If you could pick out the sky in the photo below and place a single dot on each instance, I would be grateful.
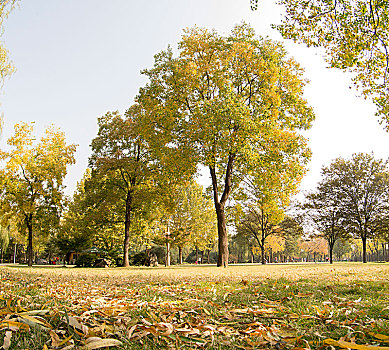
(78, 59)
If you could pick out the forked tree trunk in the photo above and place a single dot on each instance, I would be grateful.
(222, 259)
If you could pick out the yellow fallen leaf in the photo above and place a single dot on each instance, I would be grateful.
(14, 325)
(348, 345)
(383, 337)
(97, 343)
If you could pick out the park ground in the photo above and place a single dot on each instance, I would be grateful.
(295, 306)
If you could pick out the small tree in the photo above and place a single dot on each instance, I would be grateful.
(324, 212)
(260, 223)
(31, 180)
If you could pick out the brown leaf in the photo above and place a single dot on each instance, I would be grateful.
(7, 340)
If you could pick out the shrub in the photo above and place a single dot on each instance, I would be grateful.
(86, 260)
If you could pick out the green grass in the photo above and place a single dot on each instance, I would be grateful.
(247, 307)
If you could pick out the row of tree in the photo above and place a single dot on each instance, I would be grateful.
(232, 104)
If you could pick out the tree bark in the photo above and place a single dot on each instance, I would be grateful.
(127, 223)
(29, 246)
(197, 255)
(222, 259)
(180, 255)
(208, 254)
(263, 254)
(167, 260)
(364, 260)
(330, 251)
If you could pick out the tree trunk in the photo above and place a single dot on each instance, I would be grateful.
(208, 254)
(364, 260)
(167, 260)
(29, 247)
(15, 251)
(127, 223)
(263, 254)
(197, 255)
(180, 255)
(330, 251)
(222, 258)
(202, 257)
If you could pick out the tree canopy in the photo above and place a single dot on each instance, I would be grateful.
(230, 103)
(31, 180)
(360, 188)
(354, 36)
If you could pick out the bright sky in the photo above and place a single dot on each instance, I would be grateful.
(78, 59)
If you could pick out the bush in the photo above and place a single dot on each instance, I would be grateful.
(86, 260)
(138, 259)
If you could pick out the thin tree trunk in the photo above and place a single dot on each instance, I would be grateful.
(167, 260)
(127, 223)
(364, 260)
(29, 247)
(330, 251)
(15, 253)
(197, 255)
(263, 254)
(208, 256)
(202, 256)
(180, 255)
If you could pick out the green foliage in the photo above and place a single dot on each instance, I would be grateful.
(231, 103)
(4, 239)
(322, 210)
(354, 35)
(360, 191)
(31, 180)
(6, 66)
(138, 259)
(292, 232)
(194, 220)
(119, 188)
(86, 260)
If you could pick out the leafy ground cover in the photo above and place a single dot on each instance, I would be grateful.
(311, 306)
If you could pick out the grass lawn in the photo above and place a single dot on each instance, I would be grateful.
(295, 306)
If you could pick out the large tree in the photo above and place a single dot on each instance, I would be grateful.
(360, 187)
(230, 103)
(31, 180)
(354, 35)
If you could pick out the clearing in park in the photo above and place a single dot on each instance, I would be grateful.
(296, 306)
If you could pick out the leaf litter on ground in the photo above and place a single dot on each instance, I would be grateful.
(52, 309)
